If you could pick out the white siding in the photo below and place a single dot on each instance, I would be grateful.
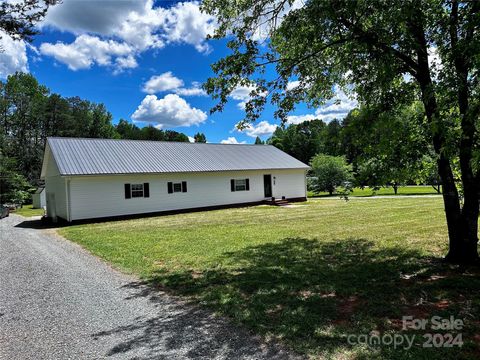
(39, 200)
(55, 191)
(103, 196)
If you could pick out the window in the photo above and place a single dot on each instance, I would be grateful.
(240, 185)
(177, 187)
(137, 190)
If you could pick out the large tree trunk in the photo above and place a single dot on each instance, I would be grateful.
(462, 223)
(464, 249)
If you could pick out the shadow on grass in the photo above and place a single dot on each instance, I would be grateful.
(313, 294)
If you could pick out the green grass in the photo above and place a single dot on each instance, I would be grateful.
(28, 211)
(404, 190)
(308, 275)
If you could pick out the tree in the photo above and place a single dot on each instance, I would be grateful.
(18, 18)
(390, 146)
(330, 172)
(332, 138)
(14, 188)
(259, 141)
(302, 140)
(200, 138)
(380, 50)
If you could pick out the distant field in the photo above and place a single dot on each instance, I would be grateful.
(309, 275)
(404, 190)
(28, 211)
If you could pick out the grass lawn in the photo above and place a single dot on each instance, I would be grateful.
(28, 211)
(404, 190)
(309, 275)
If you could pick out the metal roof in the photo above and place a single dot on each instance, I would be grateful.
(78, 156)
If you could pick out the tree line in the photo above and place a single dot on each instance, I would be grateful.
(29, 113)
(375, 148)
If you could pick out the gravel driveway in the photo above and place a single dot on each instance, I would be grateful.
(59, 302)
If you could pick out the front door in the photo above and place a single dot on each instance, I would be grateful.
(267, 185)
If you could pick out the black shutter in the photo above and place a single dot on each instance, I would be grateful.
(170, 187)
(247, 184)
(146, 190)
(184, 186)
(232, 185)
(128, 193)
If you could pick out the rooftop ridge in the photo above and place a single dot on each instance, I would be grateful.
(149, 141)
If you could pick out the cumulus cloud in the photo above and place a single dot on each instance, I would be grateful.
(261, 129)
(13, 56)
(186, 23)
(265, 27)
(232, 140)
(127, 62)
(242, 93)
(138, 25)
(100, 17)
(336, 108)
(297, 119)
(170, 111)
(162, 82)
(194, 90)
(292, 84)
(168, 82)
(87, 50)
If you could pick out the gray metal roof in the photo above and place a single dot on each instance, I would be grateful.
(76, 156)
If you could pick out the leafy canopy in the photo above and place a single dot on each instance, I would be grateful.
(330, 172)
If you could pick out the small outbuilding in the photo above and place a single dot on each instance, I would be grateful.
(39, 198)
(95, 178)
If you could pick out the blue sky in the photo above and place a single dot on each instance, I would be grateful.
(144, 61)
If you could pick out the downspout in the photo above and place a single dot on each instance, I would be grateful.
(305, 182)
(67, 198)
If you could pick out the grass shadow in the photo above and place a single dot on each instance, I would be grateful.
(312, 294)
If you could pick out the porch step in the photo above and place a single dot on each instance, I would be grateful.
(277, 202)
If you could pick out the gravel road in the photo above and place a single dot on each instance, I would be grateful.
(59, 302)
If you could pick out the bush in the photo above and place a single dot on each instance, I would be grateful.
(329, 173)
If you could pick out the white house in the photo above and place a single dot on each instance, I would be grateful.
(95, 178)
(38, 198)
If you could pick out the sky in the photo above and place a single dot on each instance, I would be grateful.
(146, 62)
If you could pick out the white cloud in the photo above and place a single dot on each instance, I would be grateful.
(13, 56)
(242, 94)
(100, 17)
(127, 62)
(265, 27)
(292, 84)
(162, 82)
(261, 129)
(135, 24)
(336, 108)
(87, 50)
(297, 119)
(232, 140)
(170, 111)
(195, 90)
(191, 139)
(185, 23)
(168, 82)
